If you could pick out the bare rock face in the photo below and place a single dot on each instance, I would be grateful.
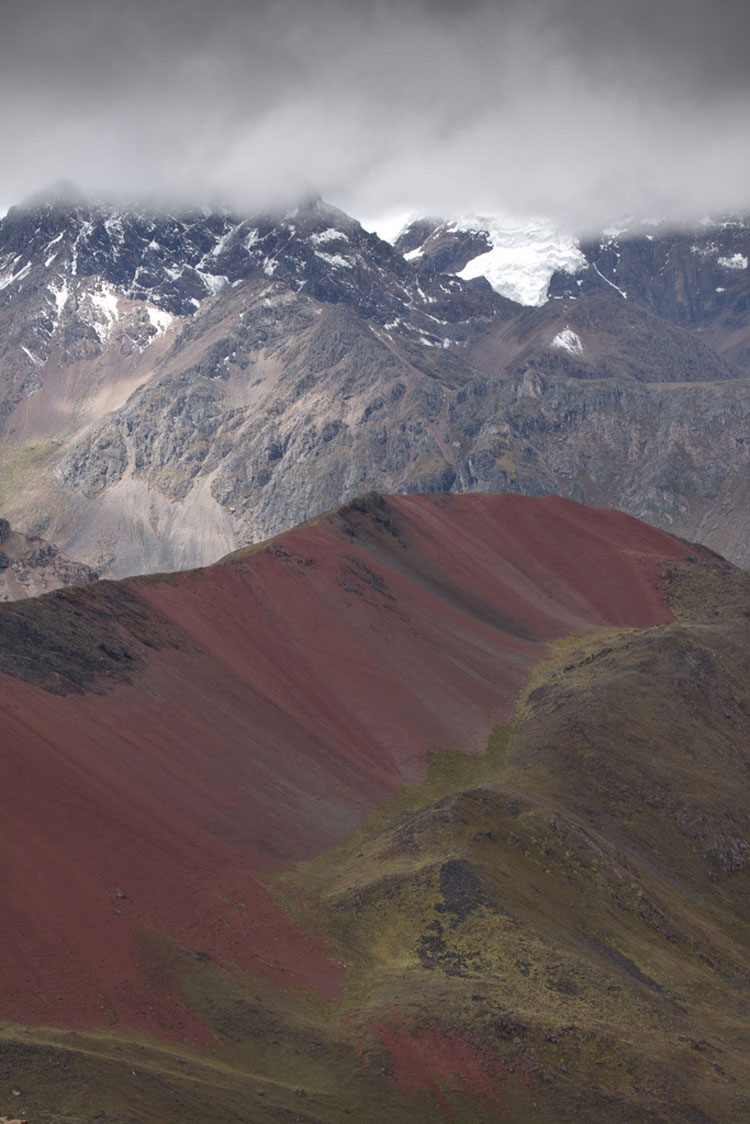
(173, 387)
(695, 278)
(30, 566)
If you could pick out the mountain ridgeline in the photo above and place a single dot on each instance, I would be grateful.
(434, 808)
(175, 386)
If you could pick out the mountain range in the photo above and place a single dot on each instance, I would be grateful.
(173, 387)
(415, 806)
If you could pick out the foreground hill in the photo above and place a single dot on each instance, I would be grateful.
(175, 386)
(209, 844)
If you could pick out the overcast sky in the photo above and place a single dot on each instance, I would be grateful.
(580, 110)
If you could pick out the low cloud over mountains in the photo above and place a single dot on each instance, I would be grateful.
(579, 110)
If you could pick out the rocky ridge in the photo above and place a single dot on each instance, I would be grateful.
(172, 387)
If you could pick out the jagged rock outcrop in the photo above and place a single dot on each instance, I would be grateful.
(30, 566)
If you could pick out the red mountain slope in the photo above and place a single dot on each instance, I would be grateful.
(270, 701)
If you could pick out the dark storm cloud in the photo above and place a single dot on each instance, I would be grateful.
(581, 109)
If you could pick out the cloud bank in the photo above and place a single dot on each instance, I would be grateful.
(581, 110)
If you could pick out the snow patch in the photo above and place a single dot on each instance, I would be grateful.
(334, 259)
(329, 235)
(106, 305)
(213, 282)
(737, 261)
(524, 255)
(36, 361)
(61, 297)
(51, 258)
(160, 319)
(612, 285)
(568, 340)
(10, 278)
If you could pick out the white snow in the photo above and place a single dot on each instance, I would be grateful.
(213, 282)
(334, 259)
(33, 358)
(105, 303)
(411, 255)
(568, 340)
(737, 261)
(10, 278)
(617, 289)
(269, 267)
(61, 297)
(160, 319)
(524, 255)
(329, 235)
(52, 257)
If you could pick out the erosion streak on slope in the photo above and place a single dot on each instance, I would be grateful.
(302, 682)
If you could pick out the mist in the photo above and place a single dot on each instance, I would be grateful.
(579, 111)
